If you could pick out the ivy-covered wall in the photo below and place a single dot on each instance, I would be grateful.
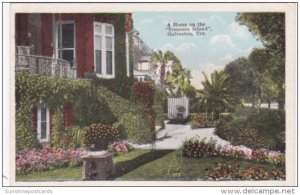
(91, 104)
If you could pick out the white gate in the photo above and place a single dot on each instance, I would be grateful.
(173, 103)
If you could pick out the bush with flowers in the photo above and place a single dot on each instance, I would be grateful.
(41, 159)
(228, 171)
(201, 121)
(196, 147)
(120, 147)
(99, 135)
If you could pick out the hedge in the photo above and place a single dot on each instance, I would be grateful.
(91, 104)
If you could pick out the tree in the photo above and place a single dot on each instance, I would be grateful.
(241, 75)
(160, 57)
(215, 96)
(180, 81)
(270, 30)
(259, 59)
(251, 78)
(269, 88)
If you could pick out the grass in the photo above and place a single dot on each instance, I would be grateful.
(174, 167)
(141, 164)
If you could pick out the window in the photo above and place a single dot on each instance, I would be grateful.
(43, 126)
(104, 50)
(66, 41)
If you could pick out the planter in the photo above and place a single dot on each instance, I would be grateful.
(179, 115)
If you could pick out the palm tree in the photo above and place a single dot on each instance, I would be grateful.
(215, 96)
(160, 57)
(180, 81)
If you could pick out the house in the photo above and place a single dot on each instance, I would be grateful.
(142, 70)
(71, 45)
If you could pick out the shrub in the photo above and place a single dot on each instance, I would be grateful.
(228, 171)
(239, 133)
(198, 148)
(120, 86)
(235, 152)
(129, 116)
(75, 133)
(144, 96)
(179, 121)
(200, 121)
(99, 135)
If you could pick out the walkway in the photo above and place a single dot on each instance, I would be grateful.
(173, 136)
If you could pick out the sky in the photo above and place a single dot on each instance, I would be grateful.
(224, 41)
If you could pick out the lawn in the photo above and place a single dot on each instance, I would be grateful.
(175, 167)
(142, 164)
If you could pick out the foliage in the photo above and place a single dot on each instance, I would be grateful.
(129, 116)
(229, 171)
(75, 133)
(33, 160)
(180, 108)
(255, 128)
(199, 148)
(120, 147)
(99, 135)
(240, 134)
(25, 137)
(266, 120)
(160, 59)
(119, 85)
(59, 137)
(179, 81)
(144, 96)
(201, 121)
(215, 95)
(91, 104)
(180, 121)
(270, 29)
(241, 75)
(160, 101)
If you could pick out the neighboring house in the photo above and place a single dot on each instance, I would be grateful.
(69, 45)
(142, 70)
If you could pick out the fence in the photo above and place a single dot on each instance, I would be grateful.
(173, 103)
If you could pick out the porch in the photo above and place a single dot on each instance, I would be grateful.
(44, 65)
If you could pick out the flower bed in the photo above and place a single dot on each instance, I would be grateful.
(200, 121)
(228, 171)
(195, 147)
(31, 160)
(120, 147)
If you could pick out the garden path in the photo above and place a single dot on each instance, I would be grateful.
(173, 136)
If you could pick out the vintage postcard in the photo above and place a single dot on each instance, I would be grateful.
(171, 94)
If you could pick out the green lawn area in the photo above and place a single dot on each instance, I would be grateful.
(142, 164)
(175, 167)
